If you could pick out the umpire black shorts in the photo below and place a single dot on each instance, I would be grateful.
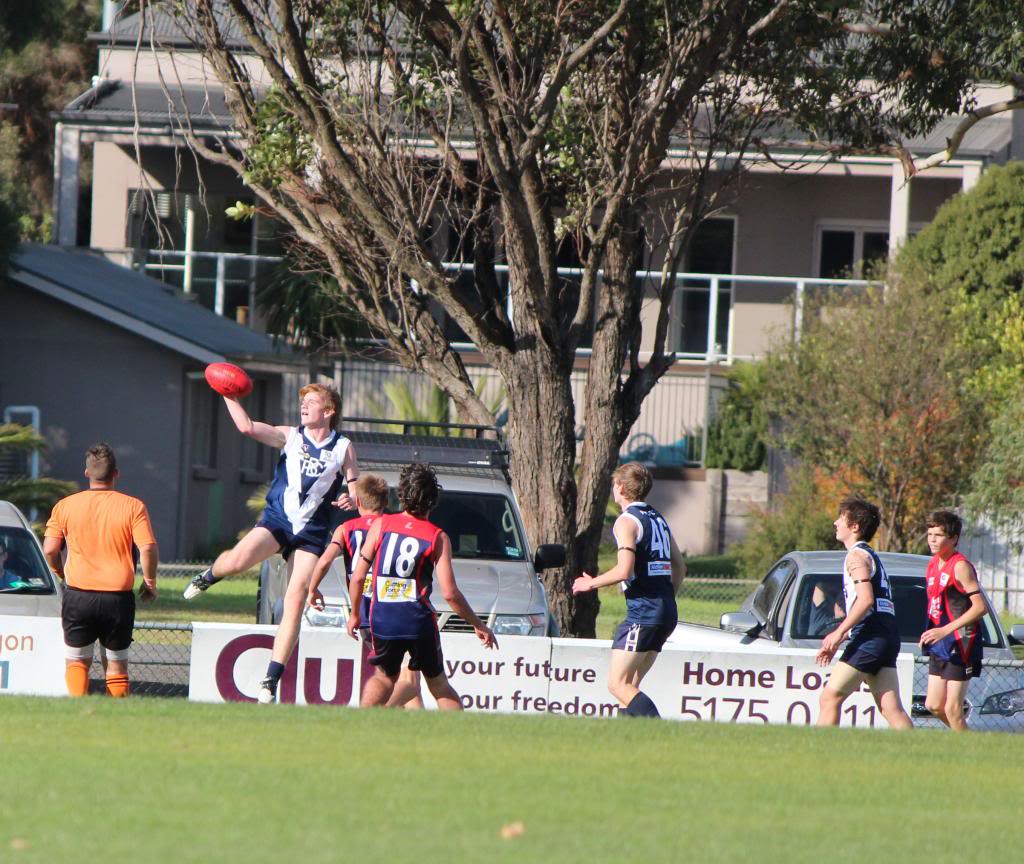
(105, 615)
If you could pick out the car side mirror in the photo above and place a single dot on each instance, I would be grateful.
(549, 555)
(1016, 634)
(741, 622)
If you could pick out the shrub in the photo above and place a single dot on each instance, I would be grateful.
(736, 435)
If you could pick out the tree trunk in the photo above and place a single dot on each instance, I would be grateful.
(607, 419)
(543, 447)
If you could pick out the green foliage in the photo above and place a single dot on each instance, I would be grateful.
(26, 492)
(799, 519)
(736, 436)
(435, 407)
(279, 146)
(997, 490)
(974, 252)
(45, 62)
(874, 395)
(307, 308)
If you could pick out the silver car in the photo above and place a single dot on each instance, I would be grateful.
(781, 614)
(27, 585)
(491, 557)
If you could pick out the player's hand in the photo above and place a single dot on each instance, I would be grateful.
(829, 646)
(352, 625)
(583, 583)
(315, 599)
(147, 594)
(486, 636)
(346, 501)
(935, 634)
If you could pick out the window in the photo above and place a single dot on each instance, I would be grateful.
(769, 589)
(479, 525)
(846, 252)
(22, 568)
(205, 406)
(820, 607)
(710, 252)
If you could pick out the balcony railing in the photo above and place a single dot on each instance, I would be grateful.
(703, 331)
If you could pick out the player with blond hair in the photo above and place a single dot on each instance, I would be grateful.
(315, 463)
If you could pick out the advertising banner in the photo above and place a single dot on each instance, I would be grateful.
(534, 675)
(31, 656)
(229, 661)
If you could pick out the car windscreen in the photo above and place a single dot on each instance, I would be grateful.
(820, 608)
(23, 569)
(480, 525)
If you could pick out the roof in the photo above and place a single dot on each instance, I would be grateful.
(144, 306)
(161, 28)
(113, 101)
(895, 563)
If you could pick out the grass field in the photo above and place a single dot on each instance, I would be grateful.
(169, 781)
(231, 600)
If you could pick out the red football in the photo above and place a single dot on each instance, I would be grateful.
(228, 379)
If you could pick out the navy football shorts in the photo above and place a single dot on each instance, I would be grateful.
(871, 653)
(642, 637)
(424, 654)
(312, 539)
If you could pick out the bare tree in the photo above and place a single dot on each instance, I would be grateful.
(395, 135)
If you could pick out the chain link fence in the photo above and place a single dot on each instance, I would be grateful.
(158, 661)
(994, 703)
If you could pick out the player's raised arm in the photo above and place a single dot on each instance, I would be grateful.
(272, 436)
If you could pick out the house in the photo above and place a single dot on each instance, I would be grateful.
(102, 353)
(796, 217)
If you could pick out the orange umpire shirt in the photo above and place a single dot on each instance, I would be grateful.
(100, 527)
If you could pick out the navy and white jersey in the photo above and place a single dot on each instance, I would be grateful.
(881, 618)
(307, 479)
(650, 597)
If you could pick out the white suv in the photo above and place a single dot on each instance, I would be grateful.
(491, 557)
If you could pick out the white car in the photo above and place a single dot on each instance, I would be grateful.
(27, 585)
(780, 615)
(491, 557)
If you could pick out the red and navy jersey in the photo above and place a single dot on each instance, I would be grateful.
(403, 571)
(353, 533)
(947, 601)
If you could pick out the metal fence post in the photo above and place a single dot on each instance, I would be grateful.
(712, 351)
(218, 297)
(798, 310)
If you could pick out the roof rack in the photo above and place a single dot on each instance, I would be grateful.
(448, 444)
